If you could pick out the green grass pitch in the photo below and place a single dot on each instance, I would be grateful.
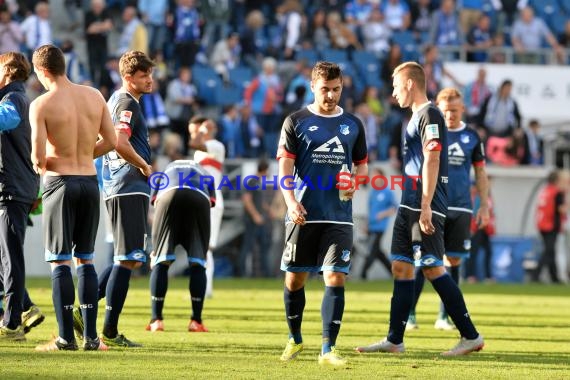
(526, 328)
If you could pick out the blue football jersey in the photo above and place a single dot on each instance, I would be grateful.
(320, 145)
(464, 150)
(120, 177)
(426, 128)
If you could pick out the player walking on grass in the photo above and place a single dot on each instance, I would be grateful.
(315, 143)
(465, 149)
(423, 207)
(18, 193)
(182, 217)
(126, 192)
(66, 123)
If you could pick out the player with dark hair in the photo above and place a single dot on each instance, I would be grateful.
(316, 142)
(70, 126)
(418, 236)
(126, 192)
(465, 149)
(182, 217)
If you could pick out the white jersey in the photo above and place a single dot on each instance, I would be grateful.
(212, 161)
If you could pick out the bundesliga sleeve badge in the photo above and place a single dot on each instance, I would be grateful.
(125, 117)
(432, 132)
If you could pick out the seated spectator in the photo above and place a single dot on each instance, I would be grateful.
(470, 12)
(11, 35)
(393, 60)
(363, 112)
(475, 94)
(500, 117)
(349, 95)
(36, 28)
(481, 39)
(446, 29)
(264, 94)
(217, 15)
(396, 14)
(317, 33)
(421, 16)
(302, 79)
(134, 35)
(376, 34)
(564, 38)
(533, 144)
(226, 55)
(231, 134)
(251, 132)
(181, 99)
(431, 57)
(342, 37)
(527, 36)
(290, 19)
(356, 14)
(250, 40)
(499, 113)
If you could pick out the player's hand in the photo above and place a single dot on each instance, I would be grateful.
(425, 221)
(296, 213)
(349, 193)
(146, 170)
(482, 218)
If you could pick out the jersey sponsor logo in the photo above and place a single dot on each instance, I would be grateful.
(456, 155)
(344, 129)
(313, 128)
(455, 150)
(125, 117)
(432, 131)
(345, 255)
(333, 145)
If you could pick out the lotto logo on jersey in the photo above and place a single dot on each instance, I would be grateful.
(125, 117)
(432, 131)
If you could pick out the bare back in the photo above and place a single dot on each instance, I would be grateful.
(72, 117)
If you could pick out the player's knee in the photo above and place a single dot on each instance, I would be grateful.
(334, 278)
(402, 270)
(431, 273)
(454, 261)
(295, 281)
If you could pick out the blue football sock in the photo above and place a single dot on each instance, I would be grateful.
(418, 288)
(455, 305)
(197, 288)
(63, 296)
(454, 273)
(116, 295)
(401, 303)
(294, 307)
(332, 309)
(158, 288)
(88, 296)
(103, 280)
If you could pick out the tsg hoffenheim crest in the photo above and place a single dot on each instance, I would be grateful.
(465, 139)
(344, 129)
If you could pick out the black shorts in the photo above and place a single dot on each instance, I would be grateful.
(181, 217)
(317, 247)
(432, 247)
(457, 234)
(70, 216)
(128, 215)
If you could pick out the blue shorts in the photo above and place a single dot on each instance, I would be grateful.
(431, 246)
(317, 247)
(70, 216)
(457, 234)
(128, 214)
